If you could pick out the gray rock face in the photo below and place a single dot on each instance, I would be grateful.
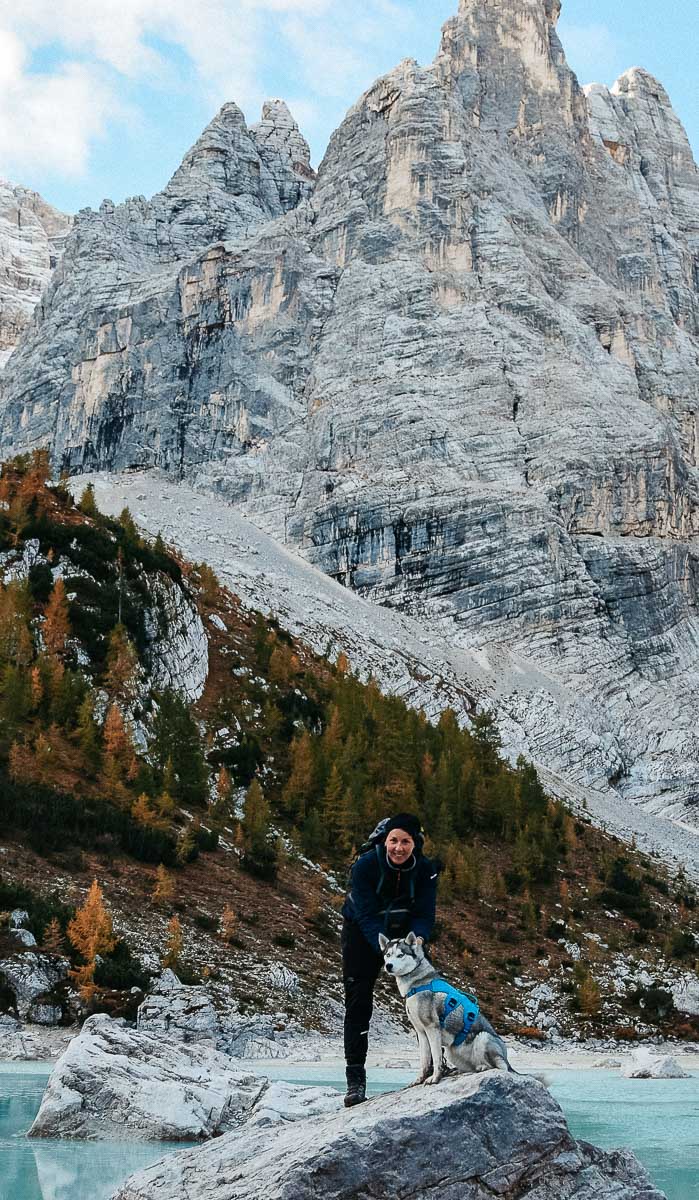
(474, 1137)
(32, 235)
(114, 1083)
(31, 976)
(458, 372)
(176, 1012)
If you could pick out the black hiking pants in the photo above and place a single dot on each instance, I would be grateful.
(360, 970)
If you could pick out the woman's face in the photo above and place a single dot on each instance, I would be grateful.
(399, 846)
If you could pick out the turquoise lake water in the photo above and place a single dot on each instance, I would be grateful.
(657, 1118)
(49, 1170)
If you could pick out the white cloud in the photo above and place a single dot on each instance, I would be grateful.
(48, 121)
(105, 49)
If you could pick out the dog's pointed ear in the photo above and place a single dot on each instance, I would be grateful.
(383, 941)
(412, 939)
(420, 941)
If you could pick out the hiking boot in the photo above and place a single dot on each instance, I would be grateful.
(356, 1086)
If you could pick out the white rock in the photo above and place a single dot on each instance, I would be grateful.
(177, 1011)
(283, 978)
(25, 937)
(114, 1083)
(644, 1064)
(31, 975)
(686, 996)
(282, 1103)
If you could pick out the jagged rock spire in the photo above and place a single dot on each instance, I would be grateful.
(551, 8)
(285, 152)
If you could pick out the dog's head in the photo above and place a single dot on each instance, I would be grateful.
(402, 955)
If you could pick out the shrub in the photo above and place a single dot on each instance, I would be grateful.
(121, 970)
(682, 944)
(204, 921)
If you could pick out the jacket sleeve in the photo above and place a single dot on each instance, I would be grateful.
(425, 905)
(365, 902)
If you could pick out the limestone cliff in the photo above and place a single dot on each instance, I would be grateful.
(32, 234)
(458, 371)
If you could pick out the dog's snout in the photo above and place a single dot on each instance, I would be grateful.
(389, 967)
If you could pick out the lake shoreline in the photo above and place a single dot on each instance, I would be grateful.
(35, 1044)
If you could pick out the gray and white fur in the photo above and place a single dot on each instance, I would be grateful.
(483, 1049)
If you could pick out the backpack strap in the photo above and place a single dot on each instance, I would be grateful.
(382, 869)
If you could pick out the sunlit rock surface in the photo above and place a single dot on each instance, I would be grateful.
(32, 235)
(458, 372)
(115, 1083)
(475, 1136)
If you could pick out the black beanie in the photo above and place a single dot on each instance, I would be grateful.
(408, 822)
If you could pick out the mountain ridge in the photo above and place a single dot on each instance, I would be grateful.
(459, 375)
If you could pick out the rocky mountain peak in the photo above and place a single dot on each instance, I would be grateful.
(550, 8)
(285, 152)
(505, 58)
(216, 153)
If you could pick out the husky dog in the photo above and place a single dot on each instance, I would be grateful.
(482, 1049)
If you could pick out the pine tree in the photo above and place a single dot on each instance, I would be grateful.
(121, 675)
(16, 697)
(209, 585)
(37, 687)
(174, 946)
(589, 996)
(131, 535)
(87, 503)
(337, 813)
(53, 941)
(56, 627)
(187, 849)
(145, 814)
(300, 785)
(177, 750)
(117, 740)
(90, 933)
(256, 815)
(164, 888)
(88, 733)
(229, 924)
(259, 851)
(16, 644)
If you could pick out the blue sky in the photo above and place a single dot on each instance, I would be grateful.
(103, 97)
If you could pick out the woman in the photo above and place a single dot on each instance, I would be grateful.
(393, 890)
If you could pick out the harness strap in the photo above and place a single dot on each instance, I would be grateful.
(454, 999)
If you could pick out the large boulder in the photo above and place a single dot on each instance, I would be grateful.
(178, 1011)
(32, 976)
(188, 1014)
(115, 1083)
(471, 1138)
(644, 1064)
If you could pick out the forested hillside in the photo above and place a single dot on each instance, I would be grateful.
(203, 764)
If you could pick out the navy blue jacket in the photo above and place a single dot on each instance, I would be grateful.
(367, 908)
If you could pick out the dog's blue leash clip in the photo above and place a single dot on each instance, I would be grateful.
(453, 1000)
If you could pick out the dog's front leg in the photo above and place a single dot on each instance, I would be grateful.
(425, 1057)
(434, 1035)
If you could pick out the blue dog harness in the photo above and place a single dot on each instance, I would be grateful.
(454, 1000)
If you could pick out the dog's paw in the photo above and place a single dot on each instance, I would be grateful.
(433, 1079)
